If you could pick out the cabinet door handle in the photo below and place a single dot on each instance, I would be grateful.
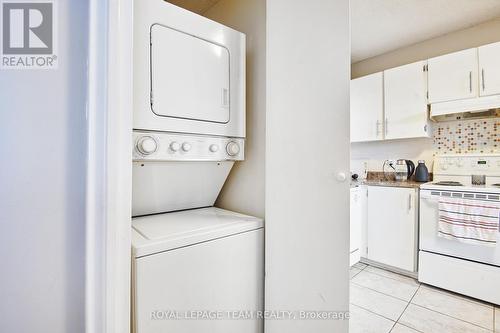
(409, 203)
(377, 129)
(482, 78)
(385, 126)
(470, 81)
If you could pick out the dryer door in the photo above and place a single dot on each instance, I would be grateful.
(189, 76)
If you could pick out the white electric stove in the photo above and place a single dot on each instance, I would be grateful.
(469, 269)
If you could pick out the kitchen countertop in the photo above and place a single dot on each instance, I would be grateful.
(388, 180)
(387, 183)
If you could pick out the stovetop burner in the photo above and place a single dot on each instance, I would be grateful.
(451, 183)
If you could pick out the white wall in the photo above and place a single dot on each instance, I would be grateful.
(374, 153)
(42, 187)
(371, 155)
(307, 144)
(244, 190)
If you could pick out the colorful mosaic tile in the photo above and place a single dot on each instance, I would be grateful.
(467, 136)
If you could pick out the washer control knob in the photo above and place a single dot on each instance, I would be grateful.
(175, 146)
(213, 148)
(186, 146)
(146, 145)
(233, 148)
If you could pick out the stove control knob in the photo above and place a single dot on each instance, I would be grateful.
(175, 146)
(233, 148)
(214, 148)
(459, 163)
(186, 146)
(146, 145)
(444, 166)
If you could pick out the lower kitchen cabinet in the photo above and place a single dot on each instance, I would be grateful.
(358, 223)
(391, 231)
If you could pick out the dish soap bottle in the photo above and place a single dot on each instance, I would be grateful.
(421, 172)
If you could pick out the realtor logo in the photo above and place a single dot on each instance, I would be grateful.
(28, 38)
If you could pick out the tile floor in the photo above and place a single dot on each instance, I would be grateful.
(383, 302)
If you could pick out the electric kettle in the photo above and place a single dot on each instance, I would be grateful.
(404, 169)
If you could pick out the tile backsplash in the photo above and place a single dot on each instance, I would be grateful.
(467, 136)
(480, 136)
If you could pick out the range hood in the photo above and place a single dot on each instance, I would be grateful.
(473, 108)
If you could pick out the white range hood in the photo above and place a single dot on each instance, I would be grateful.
(473, 108)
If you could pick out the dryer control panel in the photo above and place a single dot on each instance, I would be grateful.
(160, 146)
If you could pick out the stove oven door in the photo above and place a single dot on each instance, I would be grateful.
(429, 240)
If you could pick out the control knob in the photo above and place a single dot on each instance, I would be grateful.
(186, 146)
(213, 148)
(146, 145)
(175, 146)
(233, 148)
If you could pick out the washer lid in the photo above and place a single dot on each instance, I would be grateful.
(163, 232)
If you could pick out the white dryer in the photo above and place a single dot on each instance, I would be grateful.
(200, 270)
(189, 72)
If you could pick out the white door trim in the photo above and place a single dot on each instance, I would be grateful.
(108, 206)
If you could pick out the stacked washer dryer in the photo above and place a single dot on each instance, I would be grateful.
(193, 264)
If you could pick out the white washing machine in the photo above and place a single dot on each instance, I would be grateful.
(189, 72)
(194, 271)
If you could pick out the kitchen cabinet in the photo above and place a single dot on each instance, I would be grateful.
(391, 226)
(453, 76)
(405, 102)
(367, 108)
(489, 69)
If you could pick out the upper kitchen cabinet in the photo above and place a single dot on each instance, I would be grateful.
(405, 101)
(367, 108)
(489, 67)
(453, 76)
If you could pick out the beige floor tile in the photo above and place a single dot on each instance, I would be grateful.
(376, 302)
(472, 300)
(398, 328)
(428, 321)
(455, 306)
(391, 275)
(399, 289)
(353, 272)
(363, 321)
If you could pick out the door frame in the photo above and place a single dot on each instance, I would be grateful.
(109, 167)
